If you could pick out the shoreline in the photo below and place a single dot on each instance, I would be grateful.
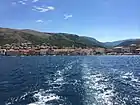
(61, 55)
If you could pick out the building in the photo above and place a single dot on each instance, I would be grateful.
(43, 51)
(126, 50)
(100, 50)
(2, 51)
(138, 51)
(133, 48)
(24, 52)
(118, 49)
(110, 52)
(61, 51)
(12, 52)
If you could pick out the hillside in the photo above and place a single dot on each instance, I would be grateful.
(95, 41)
(8, 36)
(114, 43)
(129, 42)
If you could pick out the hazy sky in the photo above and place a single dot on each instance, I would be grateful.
(105, 20)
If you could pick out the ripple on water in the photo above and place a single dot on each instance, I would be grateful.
(98, 89)
(54, 81)
(99, 86)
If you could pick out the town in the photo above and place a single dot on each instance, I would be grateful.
(29, 49)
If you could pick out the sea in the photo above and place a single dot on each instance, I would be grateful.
(70, 80)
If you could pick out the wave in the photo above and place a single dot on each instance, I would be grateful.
(42, 97)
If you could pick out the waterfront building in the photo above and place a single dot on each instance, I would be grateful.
(2, 51)
(100, 50)
(118, 49)
(12, 52)
(133, 48)
(126, 50)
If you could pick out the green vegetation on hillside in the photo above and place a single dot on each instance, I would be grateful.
(9, 36)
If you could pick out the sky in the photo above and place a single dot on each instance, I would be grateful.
(105, 20)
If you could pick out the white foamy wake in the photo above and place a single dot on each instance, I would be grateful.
(98, 91)
(14, 100)
(43, 97)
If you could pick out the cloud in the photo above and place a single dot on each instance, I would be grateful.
(66, 16)
(22, 2)
(39, 21)
(44, 22)
(51, 8)
(35, 1)
(43, 9)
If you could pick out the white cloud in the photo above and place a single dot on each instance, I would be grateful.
(51, 8)
(39, 21)
(43, 9)
(66, 16)
(35, 1)
(22, 2)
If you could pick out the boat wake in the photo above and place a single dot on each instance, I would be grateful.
(52, 96)
(98, 91)
(110, 89)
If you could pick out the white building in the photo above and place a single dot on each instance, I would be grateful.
(2, 51)
(43, 51)
(100, 50)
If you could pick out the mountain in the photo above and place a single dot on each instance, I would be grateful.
(9, 36)
(113, 44)
(95, 41)
(129, 42)
(126, 42)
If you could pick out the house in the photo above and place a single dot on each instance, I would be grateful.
(109, 50)
(138, 51)
(24, 52)
(2, 51)
(126, 50)
(60, 51)
(118, 49)
(12, 52)
(100, 50)
(31, 52)
(133, 48)
(43, 51)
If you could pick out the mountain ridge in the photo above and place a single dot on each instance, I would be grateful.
(9, 36)
(126, 42)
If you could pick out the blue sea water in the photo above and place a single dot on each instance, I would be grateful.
(70, 80)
